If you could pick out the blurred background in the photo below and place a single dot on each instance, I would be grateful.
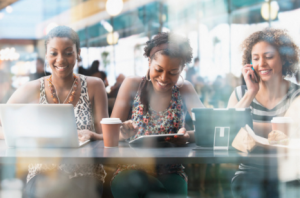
(112, 37)
(114, 33)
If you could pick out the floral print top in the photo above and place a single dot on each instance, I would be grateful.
(153, 123)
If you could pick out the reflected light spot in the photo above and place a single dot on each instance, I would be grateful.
(9, 9)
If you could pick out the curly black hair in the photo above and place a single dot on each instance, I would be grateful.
(179, 47)
(283, 43)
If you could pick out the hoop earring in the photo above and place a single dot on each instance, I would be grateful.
(179, 86)
(148, 75)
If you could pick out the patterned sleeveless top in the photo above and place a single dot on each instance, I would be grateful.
(84, 120)
(163, 122)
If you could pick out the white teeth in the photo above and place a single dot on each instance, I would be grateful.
(162, 84)
(61, 67)
(264, 71)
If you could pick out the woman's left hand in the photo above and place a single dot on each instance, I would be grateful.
(84, 135)
(180, 140)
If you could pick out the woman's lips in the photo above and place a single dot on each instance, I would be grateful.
(265, 72)
(60, 68)
(163, 85)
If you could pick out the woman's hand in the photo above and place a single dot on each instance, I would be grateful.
(180, 140)
(251, 79)
(84, 135)
(128, 129)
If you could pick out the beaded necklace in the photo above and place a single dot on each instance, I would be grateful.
(70, 95)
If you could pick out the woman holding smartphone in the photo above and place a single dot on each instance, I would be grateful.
(274, 56)
(157, 104)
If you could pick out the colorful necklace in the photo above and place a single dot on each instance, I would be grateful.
(70, 95)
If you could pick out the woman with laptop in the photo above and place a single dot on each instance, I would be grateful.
(156, 104)
(268, 57)
(88, 96)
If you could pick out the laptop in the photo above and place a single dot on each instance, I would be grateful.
(217, 128)
(39, 125)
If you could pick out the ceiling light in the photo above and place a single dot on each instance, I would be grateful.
(114, 7)
(112, 38)
(9, 9)
(274, 8)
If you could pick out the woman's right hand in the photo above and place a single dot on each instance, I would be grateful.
(251, 79)
(128, 129)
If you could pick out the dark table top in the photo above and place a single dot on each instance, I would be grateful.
(125, 154)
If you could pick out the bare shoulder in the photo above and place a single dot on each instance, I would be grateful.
(94, 82)
(132, 83)
(187, 88)
(27, 93)
(30, 88)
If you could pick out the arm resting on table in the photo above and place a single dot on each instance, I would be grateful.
(97, 136)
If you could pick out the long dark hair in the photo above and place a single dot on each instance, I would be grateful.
(177, 47)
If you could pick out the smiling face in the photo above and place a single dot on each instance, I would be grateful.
(61, 56)
(164, 72)
(266, 61)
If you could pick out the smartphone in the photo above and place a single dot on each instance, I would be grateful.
(254, 78)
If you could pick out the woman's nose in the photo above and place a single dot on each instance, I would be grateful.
(261, 62)
(163, 76)
(59, 58)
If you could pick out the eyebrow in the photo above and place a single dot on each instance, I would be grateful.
(64, 49)
(265, 53)
(162, 67)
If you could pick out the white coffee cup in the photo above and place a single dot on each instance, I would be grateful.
(110, 130)
(282, 124)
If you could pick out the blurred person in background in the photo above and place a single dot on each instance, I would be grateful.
(193, 72)
(80, 68)
(88, 97)
(202, 88)
(6, 90)
(94, 68)
(40, 70)
(156, 104)
(94, 71)
(103, 76)
(114, 90)
(217, 92)
(268, 57)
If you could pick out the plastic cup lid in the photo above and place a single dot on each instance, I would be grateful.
(111, 121)
(282, 120)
